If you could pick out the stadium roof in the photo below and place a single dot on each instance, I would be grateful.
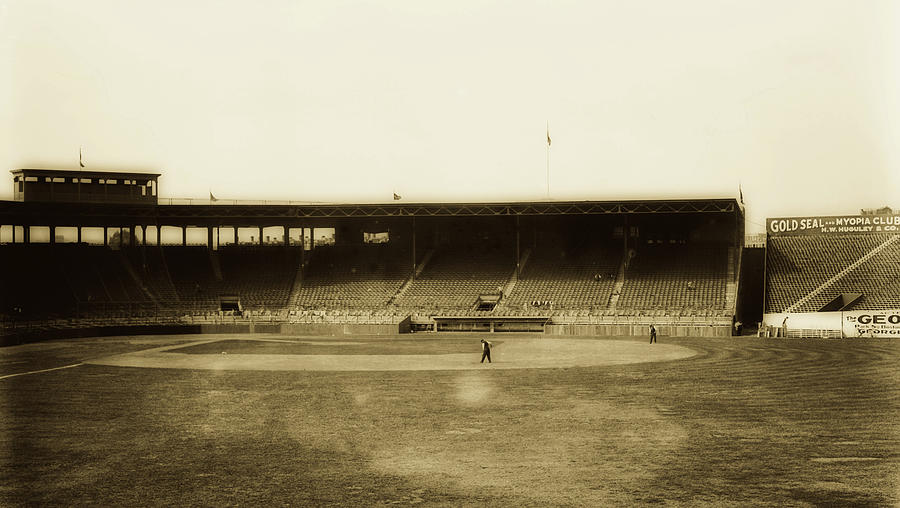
(213, 213)
(84, 173)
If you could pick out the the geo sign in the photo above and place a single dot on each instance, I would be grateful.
(833, 225)
(871, 323)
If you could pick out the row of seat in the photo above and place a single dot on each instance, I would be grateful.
(799, 266)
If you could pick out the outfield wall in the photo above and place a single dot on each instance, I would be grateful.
(339, 329)
(849, 324)
(36, 333)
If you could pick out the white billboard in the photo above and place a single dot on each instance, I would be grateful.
(871, 323)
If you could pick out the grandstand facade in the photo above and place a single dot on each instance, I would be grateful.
(576, 265)
(824, 273)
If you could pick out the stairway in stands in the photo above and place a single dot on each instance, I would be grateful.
(843, 273)
(731, 282)
(617, 288)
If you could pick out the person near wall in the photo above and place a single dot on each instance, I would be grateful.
(485, 350)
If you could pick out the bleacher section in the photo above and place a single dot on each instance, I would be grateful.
(677, 278)
(800, 266)
(555, 279)
(352, 277)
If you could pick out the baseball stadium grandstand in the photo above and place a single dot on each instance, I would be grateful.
(102, 248)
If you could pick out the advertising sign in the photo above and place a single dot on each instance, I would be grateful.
(872, 323)
(833, 225)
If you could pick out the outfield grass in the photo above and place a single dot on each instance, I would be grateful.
(745, 422)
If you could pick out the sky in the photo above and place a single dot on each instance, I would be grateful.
(794, 102)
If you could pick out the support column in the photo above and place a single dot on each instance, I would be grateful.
(209, 238)
(184, 236)
(131, 236)
(144, 248)
(302, 253)
(517, 247)
(26, 234)
(52, 235)
(78, 234)
(287, 236)
(260, 229)
(312, 239)
(14, 233)
(235, 234)
(414, 251)
(105, 236)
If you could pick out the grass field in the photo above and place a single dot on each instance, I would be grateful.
(744, 422)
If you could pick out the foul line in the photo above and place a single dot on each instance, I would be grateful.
(39, 371)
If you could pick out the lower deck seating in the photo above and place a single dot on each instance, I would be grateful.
(262, 276)
(455, 277)
(675, 277)
(192, 275)
(361, 278)
(582, 279)
(33, 283)
(352, 277)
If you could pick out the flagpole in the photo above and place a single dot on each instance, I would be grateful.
(548, 160)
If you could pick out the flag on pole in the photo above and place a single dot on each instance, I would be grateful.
(397, 197)
(211, 197)
(80, 156)
(741, 192)
(548, 135)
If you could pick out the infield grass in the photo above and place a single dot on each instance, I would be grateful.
(745, 422)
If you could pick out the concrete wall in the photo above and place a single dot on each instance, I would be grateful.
(640, 330)
(338, 329)
(853, 323)
(331, 329)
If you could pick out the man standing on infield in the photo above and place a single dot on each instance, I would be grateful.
(485, 350)
(652, 334)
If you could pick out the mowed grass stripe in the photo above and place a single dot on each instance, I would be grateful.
(42, 370)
